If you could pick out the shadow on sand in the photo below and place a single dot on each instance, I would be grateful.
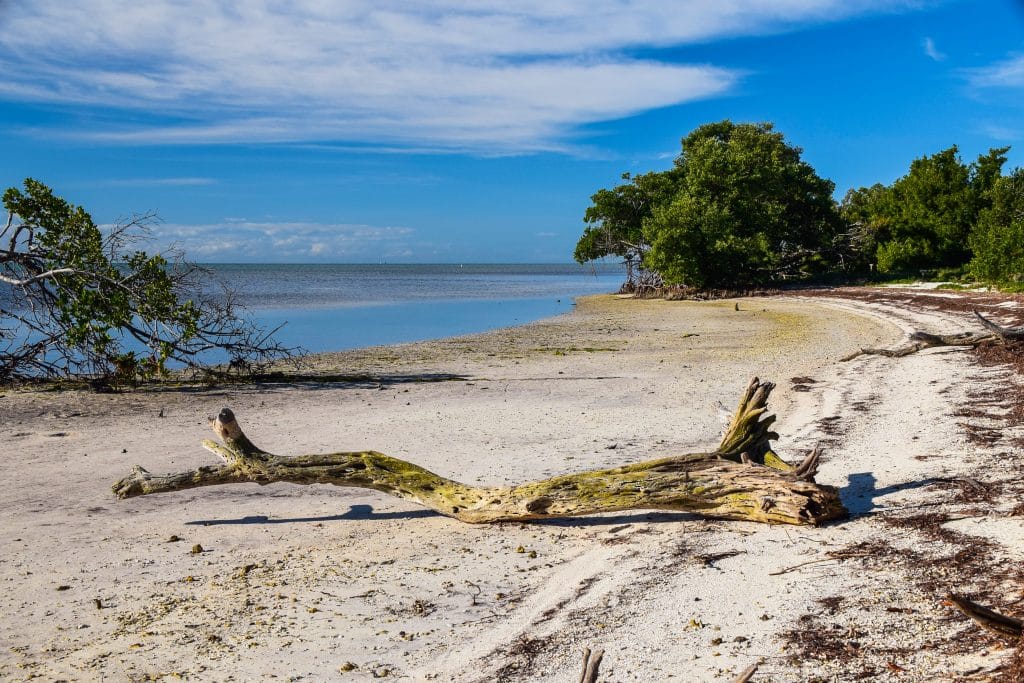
(861, 490)
(366, 512)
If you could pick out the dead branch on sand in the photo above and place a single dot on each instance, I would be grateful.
(994, 622)
(925, 340)
(743, 479)
(591, 664)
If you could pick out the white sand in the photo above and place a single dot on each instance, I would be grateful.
(295, 582)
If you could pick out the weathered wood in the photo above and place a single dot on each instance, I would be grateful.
(999, 624)
(1004, 333)
(742, 479)
(747, 673)
(591, 664)
(926, 340)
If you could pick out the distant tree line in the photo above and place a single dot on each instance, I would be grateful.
(740, 208)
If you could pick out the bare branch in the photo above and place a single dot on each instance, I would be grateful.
(1004, 333)
(36, 278)
(1001, 625)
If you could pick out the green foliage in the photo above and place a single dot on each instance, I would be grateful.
(615, 217)
(867, 214)
(740, 207)
(998, 239)
(925, 218)
(748, 211)
(907, 253)
(86, 304)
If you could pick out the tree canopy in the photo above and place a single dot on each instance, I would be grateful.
(924, 219)
(740, 207)
(749, 210)
(615, 220)
(998, 240)
(78, 301)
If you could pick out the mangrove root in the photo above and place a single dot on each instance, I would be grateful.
(743, 479)
(926, 340)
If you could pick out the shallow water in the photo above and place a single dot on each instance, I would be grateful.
(329, 307)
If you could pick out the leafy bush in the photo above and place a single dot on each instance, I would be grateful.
(998, 239)
(83, 302)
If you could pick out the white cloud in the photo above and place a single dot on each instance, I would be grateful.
(933, 53)
(1008, 73)
(451, 74)
(242, 240)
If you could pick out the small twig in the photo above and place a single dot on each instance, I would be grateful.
(591, 662)
(802, 564)
(832, 555)
(474, 596)
(710, 558)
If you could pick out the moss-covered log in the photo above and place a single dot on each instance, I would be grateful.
(742, 479)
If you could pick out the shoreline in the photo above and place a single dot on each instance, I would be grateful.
(349, 576)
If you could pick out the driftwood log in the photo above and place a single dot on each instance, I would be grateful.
(994, 622)
(926, 340)
(743, 479)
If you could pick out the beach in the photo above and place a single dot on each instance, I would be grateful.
(244, 582)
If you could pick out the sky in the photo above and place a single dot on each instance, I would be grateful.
(457, 131)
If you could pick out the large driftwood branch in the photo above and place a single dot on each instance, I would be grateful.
(925, 340)
(742, 479)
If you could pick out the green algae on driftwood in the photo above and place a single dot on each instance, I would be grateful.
(742, 479)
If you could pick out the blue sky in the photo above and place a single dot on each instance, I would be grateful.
(468, 130)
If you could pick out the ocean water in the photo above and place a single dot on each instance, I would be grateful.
(329, 307)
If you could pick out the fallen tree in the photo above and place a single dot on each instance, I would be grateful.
(743, 479)
(925, 340)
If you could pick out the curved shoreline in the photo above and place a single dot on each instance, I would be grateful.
(615, 381)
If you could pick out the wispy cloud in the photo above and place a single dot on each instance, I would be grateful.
(1008, 73)
(242, 240)
(159, 182)
(452, 74)
(933, 52)
(1001, 132)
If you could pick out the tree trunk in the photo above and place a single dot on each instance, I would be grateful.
(743, 479)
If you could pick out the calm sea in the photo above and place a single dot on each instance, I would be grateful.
(327, 307)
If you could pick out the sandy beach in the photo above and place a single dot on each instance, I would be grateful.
(284, 582)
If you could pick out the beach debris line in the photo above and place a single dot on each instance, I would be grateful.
(742, 479)
(926, 340)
